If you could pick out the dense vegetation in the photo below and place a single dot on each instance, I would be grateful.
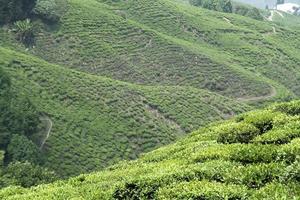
(217, 5)
(85, 84)
(20, 157)
(99, 121)
(224, 53)
(252, 156)
(13, 10)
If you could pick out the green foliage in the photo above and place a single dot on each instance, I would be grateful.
(22, 149)
(280, 136)
(196, 167)
(4, 83)
(18, 115)
(4, 104)
(248, 11)
(262, 120)
(47, 9)
(1, 158)
(163, 49)
(237, 133)
(25, 31)
(255, 176)
(252, 153)
(289, 152)
(292, 172)
(277, 190)
(291, 108)
(99, 121)
(218, 5)
(203, 190)
(13, 10)
(26, 174)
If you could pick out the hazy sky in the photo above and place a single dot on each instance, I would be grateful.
(263, 3)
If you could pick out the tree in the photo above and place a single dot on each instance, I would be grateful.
(226, 6)
(26, 174)
(5, 84)
(47, 10)
(218, 5)
(25, 31)
(1, 158)
(13, 10)
(22, 149)
(280, 2)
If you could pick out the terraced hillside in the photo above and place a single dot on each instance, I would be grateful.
(252, 156)
(164, 42)
(96, 121)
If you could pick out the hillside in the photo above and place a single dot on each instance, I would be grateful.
(252, 156)
(98, 121)
(169, 43)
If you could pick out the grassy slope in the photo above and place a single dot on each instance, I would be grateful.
(288, 20)
(162, 42)
(98, 121)
(203, 165)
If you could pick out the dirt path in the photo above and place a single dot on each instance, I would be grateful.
(227, 20)
(272, 93)
(48, 127)
(157, 114)
(270, 18)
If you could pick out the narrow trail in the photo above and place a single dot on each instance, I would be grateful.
(49, 127)
(270, 18)
(227, 20)
(156, 113)
(272, 94)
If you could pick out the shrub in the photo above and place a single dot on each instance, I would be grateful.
(22, 149)
(248, 11)
(220, 151)
(1, 158)
(218, 5)
(13, 10)
(26, 174)
(289, 152)
(263, 120)
(214, 170)
(25, 31)
(203, 190)
(291, 108)
(279, 136)
(236, 133)
(47, 9)
(253, 153)
(254, 176)
(275, 191)
(292, 172)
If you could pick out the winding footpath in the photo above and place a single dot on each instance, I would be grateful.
(272, 94)
(49, 128)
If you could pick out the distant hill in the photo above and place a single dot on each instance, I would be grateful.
(262, 3)
(97, 121)
(120, 78)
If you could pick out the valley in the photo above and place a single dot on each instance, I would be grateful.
(140, 99)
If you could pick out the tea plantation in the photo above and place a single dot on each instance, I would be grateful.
(98, 121)
(90, 85)
(252, 156)
(164, 42)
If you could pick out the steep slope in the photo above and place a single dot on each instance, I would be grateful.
(96, 121)
(167, 43)
(253, 156)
